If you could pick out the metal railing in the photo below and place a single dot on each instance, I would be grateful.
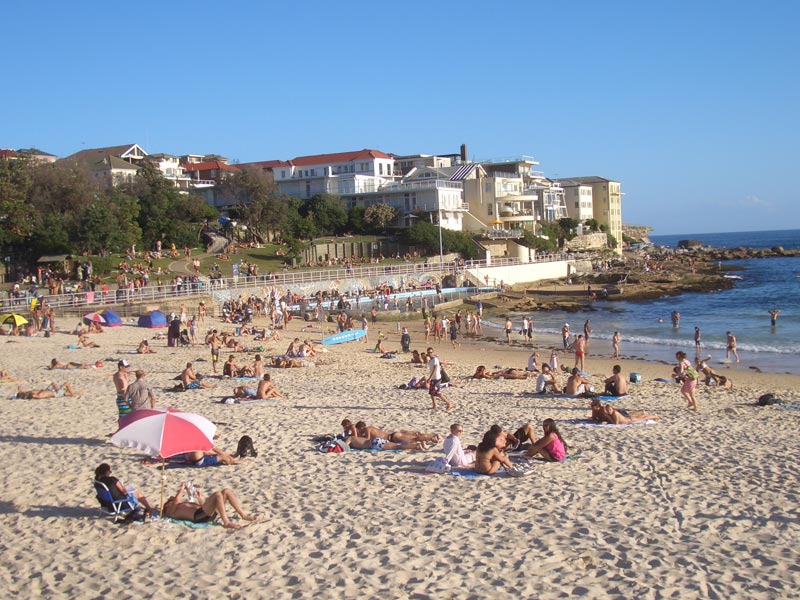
(283, 279)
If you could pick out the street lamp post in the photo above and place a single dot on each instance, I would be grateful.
(441, 252)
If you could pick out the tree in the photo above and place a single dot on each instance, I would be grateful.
(535, 242)
(356, 221)
(326, 213)
(592, 224)
(17, 215)
(258, 202)
(109, 224)
(379, 215)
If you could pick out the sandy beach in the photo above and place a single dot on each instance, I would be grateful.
(698, 505)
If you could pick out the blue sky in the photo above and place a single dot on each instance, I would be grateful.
(693, 106)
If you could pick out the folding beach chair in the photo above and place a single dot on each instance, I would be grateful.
(111, 507)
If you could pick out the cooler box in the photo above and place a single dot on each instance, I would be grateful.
(636, 378)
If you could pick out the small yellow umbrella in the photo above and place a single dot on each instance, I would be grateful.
(14, 318)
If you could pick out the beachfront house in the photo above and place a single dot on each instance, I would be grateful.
(606, 204)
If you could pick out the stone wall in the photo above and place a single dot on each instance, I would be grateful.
(589, 241)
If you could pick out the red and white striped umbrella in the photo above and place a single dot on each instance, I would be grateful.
(94, 317)
(165, 432)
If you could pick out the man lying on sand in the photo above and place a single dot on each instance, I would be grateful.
(362, 443)
(510, 373)
(207, 509)
(212, 458)
(361, 429)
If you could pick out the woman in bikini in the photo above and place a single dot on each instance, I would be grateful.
(621, 416)
(489, 458)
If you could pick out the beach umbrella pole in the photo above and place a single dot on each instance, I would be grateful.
(163, 485)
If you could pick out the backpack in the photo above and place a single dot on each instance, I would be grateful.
(333, 445)
(690, 373)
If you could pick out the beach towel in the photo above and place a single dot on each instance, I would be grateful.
(245, 378)
(611, 398)
(589, 423)
(793, 406)
(232, 400)
(189, 524)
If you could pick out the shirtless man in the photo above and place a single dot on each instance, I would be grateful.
(621, 416)
(205, 510)
(144, 348)
(191, 381)
(121, 385)
(362, 443)
(616, 384)
(214, 341)
(399, 437)
(577, 384)
(266, 389)
(730, 347)
(84, 342)
(580, 351)
(257, 366)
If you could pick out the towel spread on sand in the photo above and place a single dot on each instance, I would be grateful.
(189, 524)
(588, 423)
(611, 398)
(232, 400)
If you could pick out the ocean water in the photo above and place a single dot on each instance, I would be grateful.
(744, 310)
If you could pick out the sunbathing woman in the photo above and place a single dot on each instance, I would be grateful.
(551, 446)
(398, 436)
(5, 377)
(51, 391)
(362, 443)
(416, 358)
(489, 459)
(56, 364)
(623, 417)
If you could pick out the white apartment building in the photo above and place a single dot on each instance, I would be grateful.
(578, 198)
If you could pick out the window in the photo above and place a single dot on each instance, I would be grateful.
(283, 174)
(380, 168)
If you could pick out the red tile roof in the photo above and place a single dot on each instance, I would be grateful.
(264, 164)
(339, 157)
(8, 153)
(207, 166)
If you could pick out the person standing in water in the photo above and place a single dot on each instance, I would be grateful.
(697, 342)
(774, 316)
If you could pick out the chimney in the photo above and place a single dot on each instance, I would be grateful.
(463, 153)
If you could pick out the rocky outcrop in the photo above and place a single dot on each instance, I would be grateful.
(689, 244)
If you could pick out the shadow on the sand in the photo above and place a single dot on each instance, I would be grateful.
(55, 441)
(70, 512)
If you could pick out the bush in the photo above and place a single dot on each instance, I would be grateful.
(103, 265)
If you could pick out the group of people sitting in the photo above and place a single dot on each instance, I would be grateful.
(491, 454)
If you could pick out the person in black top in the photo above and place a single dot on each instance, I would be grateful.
(119, 491)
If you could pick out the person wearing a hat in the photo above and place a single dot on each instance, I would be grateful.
(121, 383)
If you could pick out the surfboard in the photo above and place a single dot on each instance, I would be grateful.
(342, 337)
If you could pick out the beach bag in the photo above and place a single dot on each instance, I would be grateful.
(768, 400)
(690, 373)
(439, 465)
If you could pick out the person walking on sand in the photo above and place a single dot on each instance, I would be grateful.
(615, 344)
(139, 393)
(587, 331)
(121, 384)
(214, 341)
(565, 335)
(730, 346)
(774, 316)
(435, 380)
(688, 376)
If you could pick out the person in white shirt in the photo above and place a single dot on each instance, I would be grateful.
(454, 453)
(546, 382)
(435, 380)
